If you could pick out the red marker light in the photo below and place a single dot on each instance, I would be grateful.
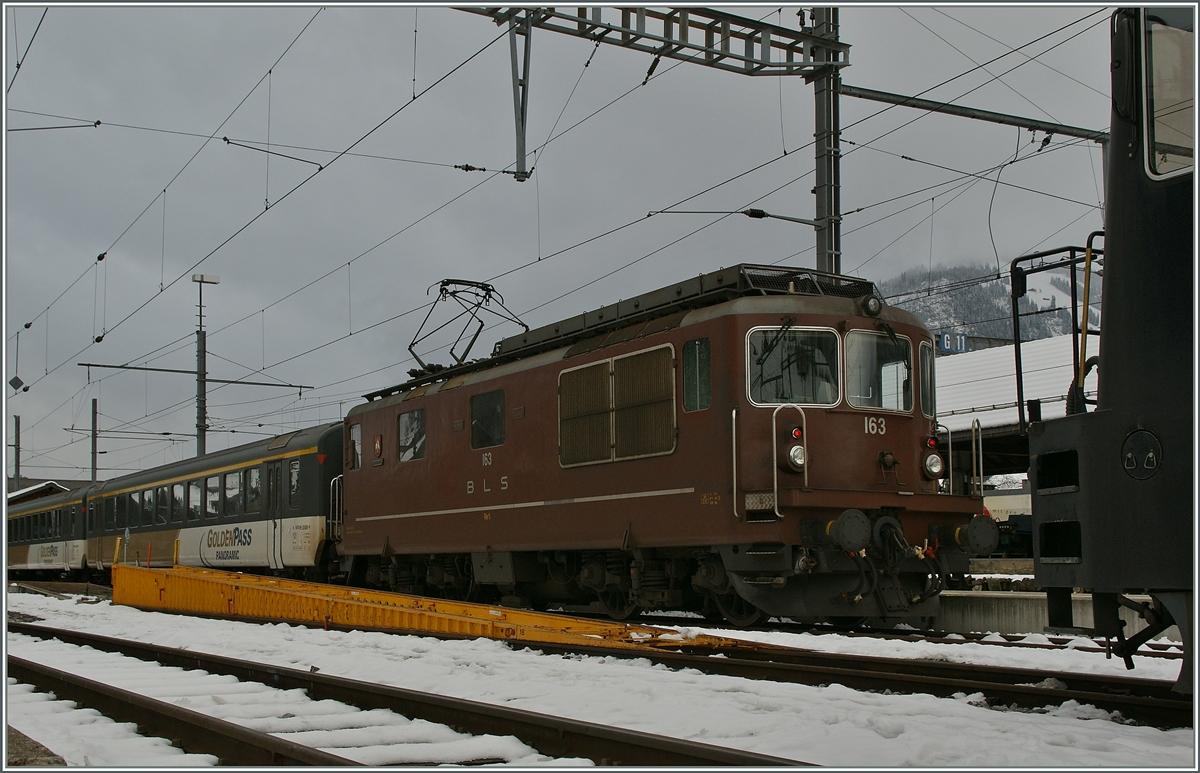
(797, 433)
(320, 458)
(931, 442)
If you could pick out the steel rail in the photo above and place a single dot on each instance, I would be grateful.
(552, 736)
(194, 732)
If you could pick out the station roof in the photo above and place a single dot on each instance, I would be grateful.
(37, 491)
(982, 385)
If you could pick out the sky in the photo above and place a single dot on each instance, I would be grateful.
(326, 257)
(828, 725)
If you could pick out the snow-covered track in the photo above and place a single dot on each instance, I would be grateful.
(552, 736)
(193, 731)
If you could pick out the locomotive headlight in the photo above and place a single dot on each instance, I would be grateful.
(934, 466)
(796, 456)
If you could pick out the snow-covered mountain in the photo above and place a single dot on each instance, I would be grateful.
(976, 300)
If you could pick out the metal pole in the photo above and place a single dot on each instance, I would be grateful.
(94, 433)
(201, 373)
(17, 448)
(826, 89)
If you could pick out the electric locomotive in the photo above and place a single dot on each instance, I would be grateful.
(757, 440)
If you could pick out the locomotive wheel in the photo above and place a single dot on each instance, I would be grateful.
(737, 611)
(617, 604)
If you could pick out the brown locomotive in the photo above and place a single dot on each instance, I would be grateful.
(754, 440)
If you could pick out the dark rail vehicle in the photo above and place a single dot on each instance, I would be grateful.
(758, 439)
(1113, 506)
(260, 506)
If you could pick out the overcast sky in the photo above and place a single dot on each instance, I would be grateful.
(369, 233)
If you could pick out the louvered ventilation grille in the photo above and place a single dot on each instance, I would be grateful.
(584, 417)
(644, 404)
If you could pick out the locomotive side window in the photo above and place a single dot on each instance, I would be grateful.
(697, 375)
(410, 428)
(193, 500)
(928, 388)
(212, 497)
(253, 490)
(355, 446)
(233, 493)
(487, 419)
(786, 365)
(1170, 83)
(878, 371)
(644, 403)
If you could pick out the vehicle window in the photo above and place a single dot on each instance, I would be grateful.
(135, 509)
(122, 510)
(253, 490)
(355, 446)
(110, 514)
(177, 503)
(212, 497)
(162, 513)
(410, 428)
(194, 500)
(928, 388)
(878, 371)
(233, 493)
(1170, 81)
(148, 507)
(294, 484)
(697, 375)
(487, 419)
(786, 365)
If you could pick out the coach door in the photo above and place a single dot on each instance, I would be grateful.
(273, 513)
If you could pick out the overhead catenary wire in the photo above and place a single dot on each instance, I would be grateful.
(21, 60)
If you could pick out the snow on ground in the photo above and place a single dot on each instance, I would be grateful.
(828, 725)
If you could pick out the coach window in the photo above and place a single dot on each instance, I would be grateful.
(162, 513)
(294, 484)
(148, 507)
(253, 490)
(135, 509)
(786, 365)
(110, 514)
(233, 494)
(193, 500)
(487, 419)
(928, 388)
(411, 431)
(212, 497)
(697, 375)
(878, 370)
(177, 503)
(355, 446)
(122, 509)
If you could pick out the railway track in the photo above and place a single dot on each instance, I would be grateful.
(552, 736)
(1146, 701)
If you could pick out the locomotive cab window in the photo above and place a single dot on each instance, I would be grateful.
(788, 365)
(878, 371)
(1169, 72)
(410, 428)
(697, 375)
(487, 419)
(928, 388)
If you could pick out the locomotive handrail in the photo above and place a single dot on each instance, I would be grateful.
(735, 490)
(333, 521)
(949, 457)
(775, 450)
(976, 443)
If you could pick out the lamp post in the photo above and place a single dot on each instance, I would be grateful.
(201, 365)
